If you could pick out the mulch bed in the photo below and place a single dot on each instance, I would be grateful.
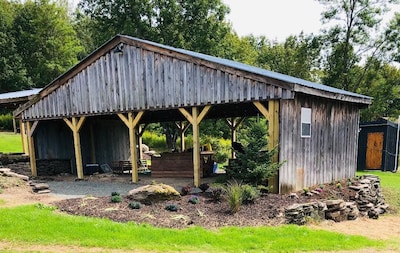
(268, 210)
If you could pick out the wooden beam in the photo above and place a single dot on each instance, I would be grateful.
(75, 126)
(31, 145)
(24, 137)
(272, 116)
(233, 124)
(132, 122)
(182, 129)
(273, 125)
(262, 109)
(195, 118)
(33, 128)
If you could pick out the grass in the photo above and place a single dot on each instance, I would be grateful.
(39, 224)
(10, 142)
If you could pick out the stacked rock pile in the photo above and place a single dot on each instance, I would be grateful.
(40, 188)
(367, 201)
(369, 197)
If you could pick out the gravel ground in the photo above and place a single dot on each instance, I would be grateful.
(83, 188)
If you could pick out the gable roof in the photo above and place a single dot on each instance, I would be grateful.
(248, 82)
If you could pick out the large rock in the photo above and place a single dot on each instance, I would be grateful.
(149, 194)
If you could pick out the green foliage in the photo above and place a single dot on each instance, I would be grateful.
(234, 195)
(154, 141)
(44, 33)
(255, 165)
(250, 194)
(171, 207)
(115, 194)
(194, 200)
(6, 122)
(135, 205)
(221, 147)
(116, 199)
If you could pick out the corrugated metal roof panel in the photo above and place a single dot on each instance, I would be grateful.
(19, 94)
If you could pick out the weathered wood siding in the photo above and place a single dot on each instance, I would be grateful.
(142, 79)
(53, 140)
(111, 140)
(331, 151)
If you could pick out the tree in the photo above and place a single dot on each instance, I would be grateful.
(254, 163)
(351, 38)
(13, 75)
(45, 40)
(298, 56)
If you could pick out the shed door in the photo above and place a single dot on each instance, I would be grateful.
(374, 151)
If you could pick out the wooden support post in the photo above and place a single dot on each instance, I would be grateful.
(24, 138)
(195, 118)
(132, 122)
(182, 129)
(272, 116)
(14, 125)
(31, 146)
(75, 125)
(233, 125)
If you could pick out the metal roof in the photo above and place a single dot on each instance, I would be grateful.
(19, 94)
(255, 70)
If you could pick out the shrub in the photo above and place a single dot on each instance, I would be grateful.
(134, 205)
(216, 192)
(171, 208)
(194, 200)
(249, 194)
(116, 199)
(185, 190)
(6, 122)
(234, 195)
(115, 194)
(254, 165)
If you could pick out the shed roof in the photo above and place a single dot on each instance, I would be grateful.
(249, 83)
(256, 70)
(17, 96)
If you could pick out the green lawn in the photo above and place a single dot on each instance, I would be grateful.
(10, 142)
(38, 224)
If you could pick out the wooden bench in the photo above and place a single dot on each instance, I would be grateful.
(119, 167)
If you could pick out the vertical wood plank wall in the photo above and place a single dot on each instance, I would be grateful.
(140, 79)
(331, 152)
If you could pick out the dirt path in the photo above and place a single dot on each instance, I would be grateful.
(384, 228)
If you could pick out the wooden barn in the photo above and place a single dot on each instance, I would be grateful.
(94, 112)
(378, 145)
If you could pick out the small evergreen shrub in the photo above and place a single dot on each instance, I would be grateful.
(194, 200)
(116, 199)
(171, 208)
(135, 205)
(115, 194)
(249, 194)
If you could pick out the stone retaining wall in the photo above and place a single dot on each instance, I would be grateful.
(368, 201)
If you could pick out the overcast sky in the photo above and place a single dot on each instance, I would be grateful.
(277, 19)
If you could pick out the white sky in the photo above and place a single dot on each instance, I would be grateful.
(277, 19)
